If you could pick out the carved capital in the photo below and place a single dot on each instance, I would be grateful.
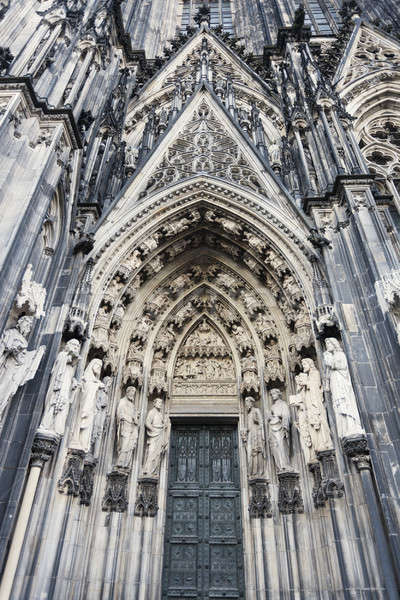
(115, 496)
(260, 501)
(355, 445)
(43, 447)
(290, 500)
(356, 449)
(70, 480)
(146, 504)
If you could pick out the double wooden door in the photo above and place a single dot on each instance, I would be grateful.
(203, 555)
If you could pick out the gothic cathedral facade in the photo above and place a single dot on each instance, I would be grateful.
(199, 299)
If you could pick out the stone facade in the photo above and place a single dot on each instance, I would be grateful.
(200, 224)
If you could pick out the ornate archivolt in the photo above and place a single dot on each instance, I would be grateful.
(143, 232)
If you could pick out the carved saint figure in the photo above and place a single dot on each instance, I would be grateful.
(279, 431)
(127, 427)
(87, 403)
(314, 402)
(157, 430)
(17, 365)
(254, 439)
(302, 425)
(100, 415)
(62, 384)
(343, 398)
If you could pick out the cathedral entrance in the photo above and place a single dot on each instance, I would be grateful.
(203, 555)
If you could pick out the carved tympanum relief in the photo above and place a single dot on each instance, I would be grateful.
(204, 364)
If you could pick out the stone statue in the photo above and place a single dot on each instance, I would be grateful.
(157, 430)
(90, 386)
(103, 397)
(314, 403)
(254, 438)
(32, 295)
(100, 335)
(302, 425)
(62, 384)
(17, 365)
(274, 153)
(343, 398)
(127, 427)
(279, 431)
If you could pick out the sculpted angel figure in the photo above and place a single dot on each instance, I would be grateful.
(175, 227)
(254, 438)
(133, 261)
(255, 242)
(17, 365)
(157, 431)
(279, 431)
(127, 427)
(343, 398)
(242, 339)
(229, 226)
(61, 388)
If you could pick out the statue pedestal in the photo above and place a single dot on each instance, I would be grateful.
(86, 488)
(115, 496)
(70, 480)
(146, 504)
(331, 484)
(290, 500)
(260, 501)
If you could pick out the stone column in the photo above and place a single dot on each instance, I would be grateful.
(43, 448)
(356, 450)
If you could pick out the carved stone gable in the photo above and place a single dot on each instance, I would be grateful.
(372, 53)
(204, 147)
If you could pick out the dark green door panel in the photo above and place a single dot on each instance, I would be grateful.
(203, 556)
